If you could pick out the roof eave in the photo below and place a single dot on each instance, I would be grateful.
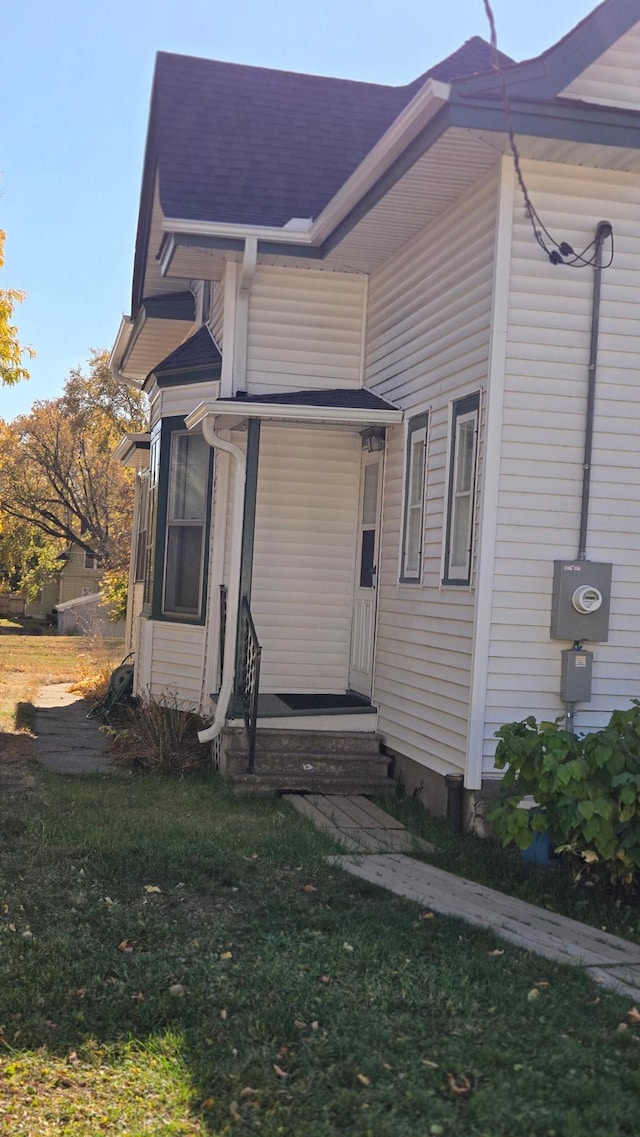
(235, 409)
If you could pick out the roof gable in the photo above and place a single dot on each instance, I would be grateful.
(614, 78)
(549, 74)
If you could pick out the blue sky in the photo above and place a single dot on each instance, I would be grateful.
(74, 88)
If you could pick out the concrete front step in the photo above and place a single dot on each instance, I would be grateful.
(318, 763)
(307, 741)
(310, 761)
(264, 784)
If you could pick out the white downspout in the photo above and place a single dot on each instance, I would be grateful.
(239, 372)
(233, 595)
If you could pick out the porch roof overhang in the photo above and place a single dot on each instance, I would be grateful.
(160, 326)
(133, 450)
(341, 407)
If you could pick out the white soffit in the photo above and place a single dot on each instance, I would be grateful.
(453, 164)
(155, 341)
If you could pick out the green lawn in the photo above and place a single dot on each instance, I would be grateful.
(177, 961)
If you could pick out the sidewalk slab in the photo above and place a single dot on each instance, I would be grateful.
(609, 959)
(356, 823)
(66, 741)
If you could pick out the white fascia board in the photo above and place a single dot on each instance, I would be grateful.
(287, 412)
(121, 344)
(232, 231)
(422, 108)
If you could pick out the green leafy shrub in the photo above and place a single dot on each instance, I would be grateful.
(587, 788)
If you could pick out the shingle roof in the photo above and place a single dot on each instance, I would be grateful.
(196, 359)
(251, 145)
(354, 399)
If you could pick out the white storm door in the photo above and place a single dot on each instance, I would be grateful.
(363, 623)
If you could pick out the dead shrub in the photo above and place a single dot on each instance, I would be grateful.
(160, 737)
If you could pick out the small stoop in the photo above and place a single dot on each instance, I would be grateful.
(306, 761)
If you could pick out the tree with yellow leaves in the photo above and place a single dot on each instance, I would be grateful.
(58, 475)
(11, 353)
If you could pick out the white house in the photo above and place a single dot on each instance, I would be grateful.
(370, 392)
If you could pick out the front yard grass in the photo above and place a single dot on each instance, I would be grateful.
(175, 960)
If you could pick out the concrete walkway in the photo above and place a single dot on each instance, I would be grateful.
(357, 823)
(66, 740)
(609, 959)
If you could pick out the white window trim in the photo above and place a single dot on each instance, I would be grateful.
(171, 522)
(417, 431)
(460, 575)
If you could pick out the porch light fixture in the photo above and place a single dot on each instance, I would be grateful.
(373, 439)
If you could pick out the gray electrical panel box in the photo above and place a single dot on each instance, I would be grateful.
(581, 601)
(575, 682)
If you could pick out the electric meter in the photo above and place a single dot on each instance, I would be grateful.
(586, 599)
(580, 601)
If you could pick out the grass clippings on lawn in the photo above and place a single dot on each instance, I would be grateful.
(174, 960)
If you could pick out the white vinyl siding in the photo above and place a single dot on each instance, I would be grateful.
(143, 645)
(178, 662)
(182, 399)
(542, 449)
(304, 557)
(305, 330)
(614, 78)
(428, 344)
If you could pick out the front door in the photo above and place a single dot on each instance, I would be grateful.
(363, 624)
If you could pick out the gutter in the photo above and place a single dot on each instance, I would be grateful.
(284, 412)
(120, 348)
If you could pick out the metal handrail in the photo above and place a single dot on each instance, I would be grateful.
(222, 630)
(250, 680)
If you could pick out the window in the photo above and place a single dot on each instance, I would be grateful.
(152, 518)
(175, 544)
(90, 561)
(143, 522)
(462, 484)
(414, 486)
(186, 524)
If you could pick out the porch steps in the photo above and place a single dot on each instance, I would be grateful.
(307, 761)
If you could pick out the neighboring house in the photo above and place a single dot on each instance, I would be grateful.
(88, 615)
(338, 293)
(79, 575)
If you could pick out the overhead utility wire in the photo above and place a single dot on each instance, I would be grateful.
(560, 252)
